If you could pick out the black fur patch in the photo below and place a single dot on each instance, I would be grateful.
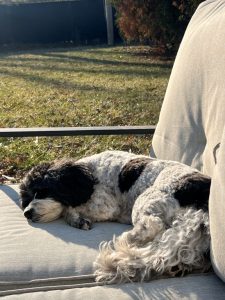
(68, 182)
(193, 190)
(31, 185)
(130, 173)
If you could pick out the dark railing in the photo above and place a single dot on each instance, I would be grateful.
(75, 131)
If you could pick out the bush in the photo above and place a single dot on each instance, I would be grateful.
(152, 21)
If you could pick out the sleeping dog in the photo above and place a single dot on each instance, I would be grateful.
(165, 201)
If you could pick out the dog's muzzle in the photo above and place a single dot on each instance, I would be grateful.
(43, 210)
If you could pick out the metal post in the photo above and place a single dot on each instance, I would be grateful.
(109, 22)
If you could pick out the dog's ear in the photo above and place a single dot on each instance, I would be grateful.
(34, 184)
(70, 183)
(39, 171)
(38, 176)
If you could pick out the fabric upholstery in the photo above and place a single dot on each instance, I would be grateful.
(55, 261)
(192, 123)
(33, 254)
(192, 116)
(207, 287)
(217, 212)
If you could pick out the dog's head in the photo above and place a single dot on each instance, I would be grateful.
(49, 187)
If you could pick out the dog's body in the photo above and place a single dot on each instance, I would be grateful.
(165, 201)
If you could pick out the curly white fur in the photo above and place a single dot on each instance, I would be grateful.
(177, 250)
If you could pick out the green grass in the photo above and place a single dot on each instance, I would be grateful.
(77, 87)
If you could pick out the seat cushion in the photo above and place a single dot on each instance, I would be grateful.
(207, 287)
(33, 254)
(191, 120)
(191, 127)
(54, 260)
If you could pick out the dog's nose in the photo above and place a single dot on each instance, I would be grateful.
(29, 213)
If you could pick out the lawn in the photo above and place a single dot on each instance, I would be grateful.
(86, 86)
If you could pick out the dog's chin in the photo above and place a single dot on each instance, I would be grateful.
(43, 218)
(43, 210)
(37, 218)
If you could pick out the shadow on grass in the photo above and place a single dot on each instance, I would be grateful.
(73, 57)
(58, 83)
(105, 61)
(149, 71)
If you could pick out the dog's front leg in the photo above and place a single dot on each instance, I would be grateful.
(74, 219)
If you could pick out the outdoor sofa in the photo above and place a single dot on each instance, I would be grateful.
(55, 261)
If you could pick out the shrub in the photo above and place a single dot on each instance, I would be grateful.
(152, 21)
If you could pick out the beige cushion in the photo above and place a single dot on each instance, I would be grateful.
(53, 261)
(192, 116)
(217, 213)
(192, 120)
(34, 254)
(204, 287)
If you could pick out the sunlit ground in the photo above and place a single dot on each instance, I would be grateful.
(77, 87)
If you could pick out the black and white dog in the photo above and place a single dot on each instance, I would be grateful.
(165, 201)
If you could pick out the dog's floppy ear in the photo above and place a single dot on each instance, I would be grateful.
(37, 176)
(70, 183)
(34, 184)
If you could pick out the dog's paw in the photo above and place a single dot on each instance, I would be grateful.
(75, 220)
(80, 223)
(144, 231)
(84, 224)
